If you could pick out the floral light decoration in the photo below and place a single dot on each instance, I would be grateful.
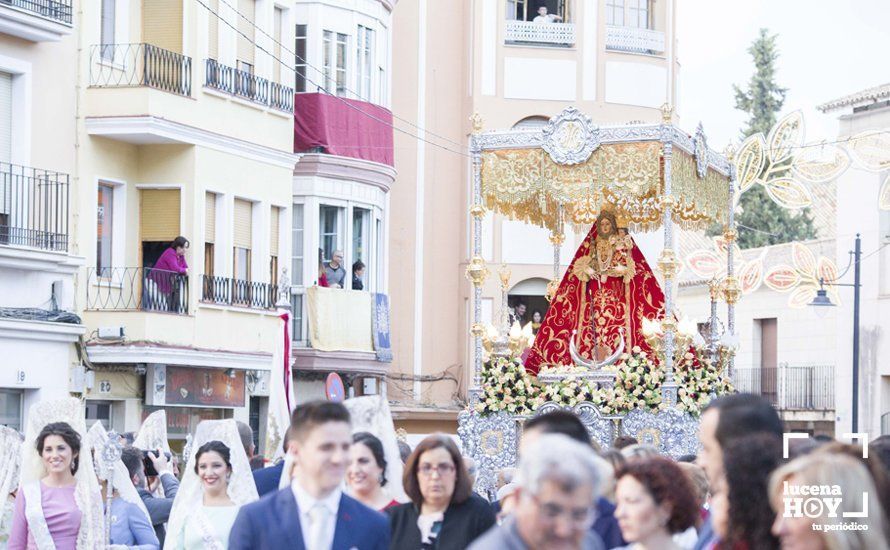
(784, 165)
(802, 279)
(711, 264)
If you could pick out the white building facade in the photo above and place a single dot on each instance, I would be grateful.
(38, 355)
(340, 189)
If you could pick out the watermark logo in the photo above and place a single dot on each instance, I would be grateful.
(822, 501)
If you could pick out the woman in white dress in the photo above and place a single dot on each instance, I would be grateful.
(216, 483)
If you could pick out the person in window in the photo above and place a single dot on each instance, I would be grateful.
(358, 271)
(334, 272)
(168, 274)
(536, 322)
(443, 512)
(544, 17)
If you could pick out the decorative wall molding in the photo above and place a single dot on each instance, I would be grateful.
(150, 129)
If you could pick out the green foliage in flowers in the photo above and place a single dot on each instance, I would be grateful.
(506, 386)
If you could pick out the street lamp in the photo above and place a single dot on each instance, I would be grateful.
(822, 302)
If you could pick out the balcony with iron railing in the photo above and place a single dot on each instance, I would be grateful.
(140, 65)
(237, 292)
(246, 85)
(137, 289)
(36, 20)
(790, 387)
(33, 208)
(634, 40)
(539, 34)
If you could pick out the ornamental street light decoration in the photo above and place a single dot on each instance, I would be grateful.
(822, 302)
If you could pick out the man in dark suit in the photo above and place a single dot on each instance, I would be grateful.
(267, 479)
(158, 507)
(313, 512)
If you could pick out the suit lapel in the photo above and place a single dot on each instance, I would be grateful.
(288, 519)
(345, 517)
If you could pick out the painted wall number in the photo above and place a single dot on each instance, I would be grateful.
(104, 386)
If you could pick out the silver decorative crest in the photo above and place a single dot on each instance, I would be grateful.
(492, 441)
(598, 426)
(671, 431)
(701, 151)
(570, 137)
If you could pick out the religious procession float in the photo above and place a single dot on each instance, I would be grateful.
(612, 347)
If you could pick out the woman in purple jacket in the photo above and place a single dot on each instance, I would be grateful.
(168, 273)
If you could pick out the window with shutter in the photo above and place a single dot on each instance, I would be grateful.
(209, 233)
(274, 230)
(162, 24)
(243, 219)
(159, 214)
(241, 253)
(276, 32)
(213, 35)
(107, 29)
(246, 31)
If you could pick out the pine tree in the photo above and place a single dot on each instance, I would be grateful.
(763, 100)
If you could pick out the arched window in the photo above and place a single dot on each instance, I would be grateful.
(531, 122)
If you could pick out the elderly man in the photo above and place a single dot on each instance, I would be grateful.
(557, 483)
(334, 271)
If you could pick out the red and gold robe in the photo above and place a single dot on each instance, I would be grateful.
(617, 304)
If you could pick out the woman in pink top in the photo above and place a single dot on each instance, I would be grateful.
(46, 511)
(167, 274)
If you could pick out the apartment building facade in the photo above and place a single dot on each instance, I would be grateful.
(456, 59)
(38, 262)
(341, 188)
(184, 128)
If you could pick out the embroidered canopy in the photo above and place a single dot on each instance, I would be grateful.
(570, 169)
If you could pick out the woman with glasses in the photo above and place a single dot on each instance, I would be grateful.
(443, 512)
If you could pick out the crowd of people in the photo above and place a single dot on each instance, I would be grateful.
(748, 488)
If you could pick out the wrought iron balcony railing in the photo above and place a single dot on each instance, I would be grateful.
(57, 10)
(551, 34)
(799, 388)
(33, 207)
(236, 292)
(248, 86)
(137, 289)
(634, 39)
(123, 65)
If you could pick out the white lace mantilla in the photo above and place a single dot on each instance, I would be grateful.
(371, 414)
(86, 493)
(190, 497)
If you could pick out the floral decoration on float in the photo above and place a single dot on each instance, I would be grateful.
(508, 387)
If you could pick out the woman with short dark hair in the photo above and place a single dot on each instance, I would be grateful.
(655, 500)
(443, 512)
(167, 274)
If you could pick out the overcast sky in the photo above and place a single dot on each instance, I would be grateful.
(827, 49)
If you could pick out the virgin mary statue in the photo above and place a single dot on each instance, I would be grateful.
(603, 297)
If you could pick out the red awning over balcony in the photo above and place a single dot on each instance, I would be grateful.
(341, 127)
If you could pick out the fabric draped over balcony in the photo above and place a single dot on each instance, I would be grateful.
(340, 320)
(344, 127)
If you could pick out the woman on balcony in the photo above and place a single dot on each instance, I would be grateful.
(167, 274)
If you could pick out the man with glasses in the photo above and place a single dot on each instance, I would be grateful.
(334, 272)
(558, 481)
